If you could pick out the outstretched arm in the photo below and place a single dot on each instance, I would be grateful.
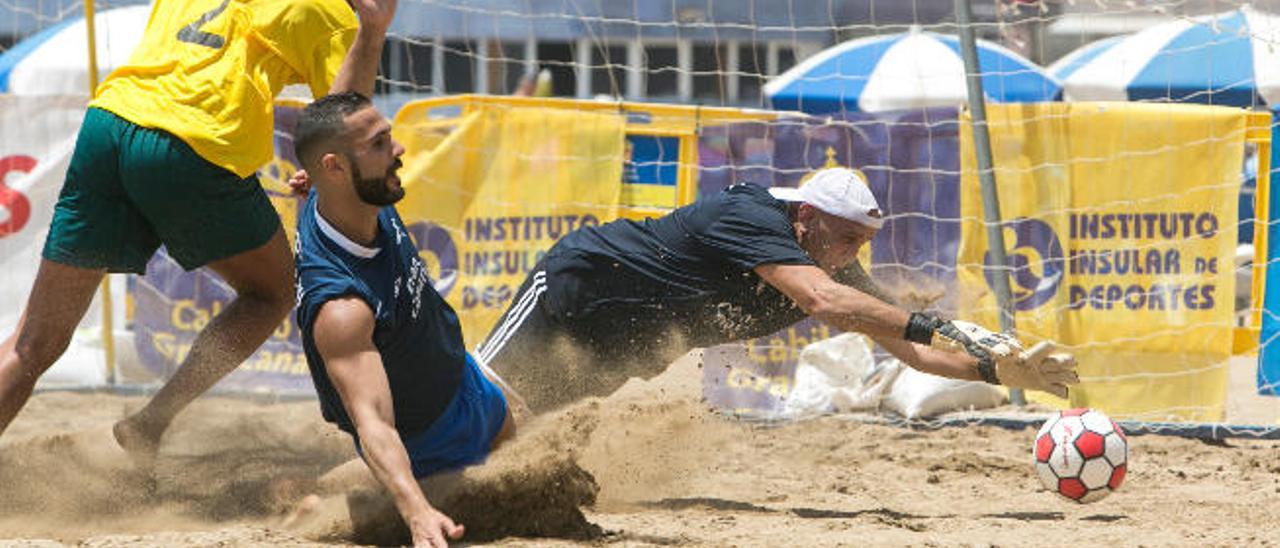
(951, 349)
(359, 71)
(953, 365)
(834, 303)
(343, 332)
(1043, 367)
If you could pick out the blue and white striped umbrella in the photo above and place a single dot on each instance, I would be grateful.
(1230, 58)
(905, 71)
(54, 61)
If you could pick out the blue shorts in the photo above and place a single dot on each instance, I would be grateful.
(464, 433)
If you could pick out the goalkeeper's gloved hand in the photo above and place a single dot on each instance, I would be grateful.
(1001, 358)
(1041, 368)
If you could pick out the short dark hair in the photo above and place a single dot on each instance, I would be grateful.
(322, 121)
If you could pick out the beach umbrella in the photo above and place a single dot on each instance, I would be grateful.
(910, 70)
(55, 61)
(1230, 58)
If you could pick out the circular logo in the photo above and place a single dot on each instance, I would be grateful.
(436, 248)
(1035, 263)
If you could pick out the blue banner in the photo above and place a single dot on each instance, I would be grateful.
(172, 306)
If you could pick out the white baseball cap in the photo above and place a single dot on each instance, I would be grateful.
(838, 191)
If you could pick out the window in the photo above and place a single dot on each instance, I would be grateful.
(406, 66)
(609, 69)
(751, 76)
(558, 58)
(459, 71)
(510, 68)
(662, 66)
(786, 58)
(708, 74)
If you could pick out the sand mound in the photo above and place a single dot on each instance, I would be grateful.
(83, 475)
(535, 499)
(237, 461)
(536, 485)
(224, 460)
(531, 487)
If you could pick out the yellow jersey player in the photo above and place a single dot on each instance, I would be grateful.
(166, 155)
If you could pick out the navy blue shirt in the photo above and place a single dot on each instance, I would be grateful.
(416, 331)
(689, 272)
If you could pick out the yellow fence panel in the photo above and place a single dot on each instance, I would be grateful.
(1121, 228)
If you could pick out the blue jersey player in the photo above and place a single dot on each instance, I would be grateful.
(385, 350)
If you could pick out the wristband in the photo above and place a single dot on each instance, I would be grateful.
(920, 328)
(987, 370)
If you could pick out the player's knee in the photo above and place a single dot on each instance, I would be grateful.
(282, 299)
(276, 296)
(37, 351)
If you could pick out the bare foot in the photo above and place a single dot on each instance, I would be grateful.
(284, 492)
(301, 512)
(142, 443)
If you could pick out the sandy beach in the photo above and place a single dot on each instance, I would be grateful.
(649, 466)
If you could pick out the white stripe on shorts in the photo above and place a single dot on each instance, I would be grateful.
(511, 323)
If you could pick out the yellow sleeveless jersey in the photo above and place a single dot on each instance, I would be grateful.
(208, 71)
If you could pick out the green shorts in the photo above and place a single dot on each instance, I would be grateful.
(129, 189)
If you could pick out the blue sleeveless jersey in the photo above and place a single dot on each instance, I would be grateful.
(416, 331)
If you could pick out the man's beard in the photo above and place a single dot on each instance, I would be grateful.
(376, 191)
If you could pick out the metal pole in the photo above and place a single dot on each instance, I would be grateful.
(986, 174)
(89, 25)
(108, 331)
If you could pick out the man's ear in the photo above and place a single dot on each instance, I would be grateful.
(805, 212)
(332, 162)
(804, 215)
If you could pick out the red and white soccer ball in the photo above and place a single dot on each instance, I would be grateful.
(1081, 454)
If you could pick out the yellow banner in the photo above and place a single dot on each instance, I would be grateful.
(1120, 230)
(487, 193)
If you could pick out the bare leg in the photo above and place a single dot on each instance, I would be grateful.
(263, 280)
(508, 429)
(346, 477)
(351, 476)
(58, 301)
(517, 409)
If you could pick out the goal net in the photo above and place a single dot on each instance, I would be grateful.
(1129, 139)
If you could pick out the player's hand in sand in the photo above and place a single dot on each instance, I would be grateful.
(375, 14)
(434, 530)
